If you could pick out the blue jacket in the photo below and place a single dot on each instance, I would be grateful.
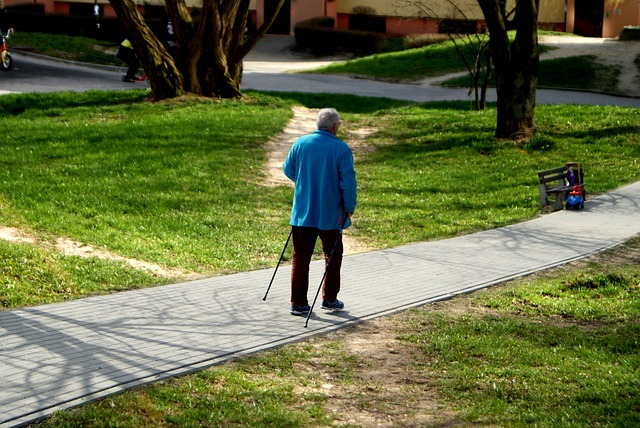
(321, 166)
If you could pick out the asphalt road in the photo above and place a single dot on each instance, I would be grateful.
(40, 74)
(265, 71)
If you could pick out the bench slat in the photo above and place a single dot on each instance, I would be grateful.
(553, 182)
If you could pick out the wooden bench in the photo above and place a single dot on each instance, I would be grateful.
(555, 184)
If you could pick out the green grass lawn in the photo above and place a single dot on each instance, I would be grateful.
(411, 64)
(575, 72)
(179, 184)
(559, 349)
(72, 48)
(433, 60)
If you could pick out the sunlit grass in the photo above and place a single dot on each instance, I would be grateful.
(179, 184)
(577, 72)
(72, 48)
(557, 349)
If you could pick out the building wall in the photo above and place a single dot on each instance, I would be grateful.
(433, 8)
(301, 10)
(259, 12)
(61, 8)
(552, 11)
(571, 16)
(616, 17)
(405, 18)
(396, 25)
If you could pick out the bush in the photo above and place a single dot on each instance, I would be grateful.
(363, 18)
(629, 32)
(321, 37)
(321, 21)
(364, 10)
(377, 24)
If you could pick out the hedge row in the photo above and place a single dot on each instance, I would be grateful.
(630, 33)
(320, 36)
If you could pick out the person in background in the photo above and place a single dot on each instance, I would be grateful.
(128, 55)
(321, 166)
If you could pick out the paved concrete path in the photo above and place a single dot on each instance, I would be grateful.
(57, 356)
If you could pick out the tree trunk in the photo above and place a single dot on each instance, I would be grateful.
(222, 70)
(165, 79)
(516, 90)
(209, 50)
(516, 65)
(188, 47)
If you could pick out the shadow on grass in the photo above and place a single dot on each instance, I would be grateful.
(342, 103)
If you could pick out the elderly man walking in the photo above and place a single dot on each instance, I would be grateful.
(321, 166)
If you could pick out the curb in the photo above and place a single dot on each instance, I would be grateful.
(113, 68)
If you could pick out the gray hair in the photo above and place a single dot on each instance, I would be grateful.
(327, 117)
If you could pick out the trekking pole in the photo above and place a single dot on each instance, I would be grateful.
(274, 272)
(335, 244)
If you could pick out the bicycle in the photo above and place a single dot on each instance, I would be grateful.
(6, 62)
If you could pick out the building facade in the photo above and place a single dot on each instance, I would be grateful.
(600, 18)
(591, 18)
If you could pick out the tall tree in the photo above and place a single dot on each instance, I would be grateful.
(209, 50)
(516, 64)
(165, 79)
(515, 60)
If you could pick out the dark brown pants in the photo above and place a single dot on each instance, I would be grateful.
(304, 241)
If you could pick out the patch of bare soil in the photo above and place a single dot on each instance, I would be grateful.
(304, 122)
(15, 235)
(386, 388)
(70, 247)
